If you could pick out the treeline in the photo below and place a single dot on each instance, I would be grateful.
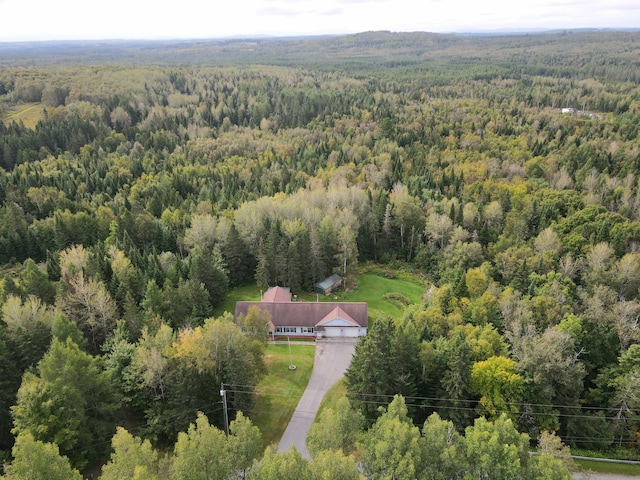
(145, 193)
(392, 448)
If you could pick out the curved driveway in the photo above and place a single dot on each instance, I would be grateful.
(332, 358)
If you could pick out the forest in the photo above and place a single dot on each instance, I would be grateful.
(141, 182)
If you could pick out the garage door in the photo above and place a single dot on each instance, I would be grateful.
(340, 331)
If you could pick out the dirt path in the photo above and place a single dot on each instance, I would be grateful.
(331, 360)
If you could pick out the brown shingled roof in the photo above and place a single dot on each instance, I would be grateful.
(306, 314)
(277, 294)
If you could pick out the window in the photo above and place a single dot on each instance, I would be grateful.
(308, 330)
(278, 329)
(290, 329)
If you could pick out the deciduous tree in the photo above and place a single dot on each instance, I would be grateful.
(499, 384)
(287, 465)
(130, 455)
(335, 429)
(393, 447)
(200, 453)
(36, 460)
(68, 402)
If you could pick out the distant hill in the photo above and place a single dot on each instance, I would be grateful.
(356, 51)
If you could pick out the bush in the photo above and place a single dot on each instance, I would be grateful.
(397, 297)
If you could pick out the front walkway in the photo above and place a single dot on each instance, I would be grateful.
(332, 358)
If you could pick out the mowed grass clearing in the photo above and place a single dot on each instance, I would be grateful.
(29, 113)
(373, 288)
(246, 293)
(280, 390)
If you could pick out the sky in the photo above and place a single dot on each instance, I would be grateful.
(26, 20)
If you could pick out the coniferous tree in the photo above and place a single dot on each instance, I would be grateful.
(238, 259)
(206, 268)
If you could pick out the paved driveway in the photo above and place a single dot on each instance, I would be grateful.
(331, 360)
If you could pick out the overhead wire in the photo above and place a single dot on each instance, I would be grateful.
(271, 391)
(448, 404)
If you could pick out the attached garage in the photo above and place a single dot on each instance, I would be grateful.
(338, 323)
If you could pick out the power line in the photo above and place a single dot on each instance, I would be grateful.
(442, 404)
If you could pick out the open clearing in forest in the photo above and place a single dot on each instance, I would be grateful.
(246, 293)
(378, 292)
(29, 113)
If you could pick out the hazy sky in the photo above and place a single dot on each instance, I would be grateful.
(132, 19)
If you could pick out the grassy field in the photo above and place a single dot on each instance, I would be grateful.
(240, 294)
(29, 113)
(373, 288)
(281, 389)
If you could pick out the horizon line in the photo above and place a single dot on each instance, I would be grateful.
(478, 32)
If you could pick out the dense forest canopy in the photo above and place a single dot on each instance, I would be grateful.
(140, 181)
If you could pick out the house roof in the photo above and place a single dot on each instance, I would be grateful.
(277, 294)
(329, 281)
(337, 317)
(308, 314)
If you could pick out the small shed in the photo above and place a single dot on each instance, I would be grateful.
(328, 285)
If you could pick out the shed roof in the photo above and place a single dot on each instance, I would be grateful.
(329, 281)
(277, 294)
(306, 314)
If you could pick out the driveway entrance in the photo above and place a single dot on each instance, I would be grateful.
(332, 358)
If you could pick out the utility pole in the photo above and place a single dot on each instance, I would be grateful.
(223, 394)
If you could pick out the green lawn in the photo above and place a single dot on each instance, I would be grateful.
(334, 394)
(633, 471)
(281, 389)
(372, 289)
(245, 293)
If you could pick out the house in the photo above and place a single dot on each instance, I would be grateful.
(309, 319)
(329, 284)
